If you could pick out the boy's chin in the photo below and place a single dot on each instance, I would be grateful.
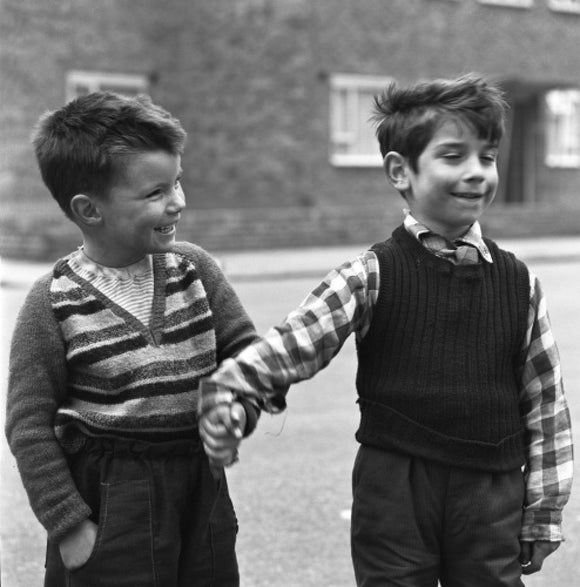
(163, 243)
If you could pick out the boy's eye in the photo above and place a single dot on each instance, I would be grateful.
(491, 156)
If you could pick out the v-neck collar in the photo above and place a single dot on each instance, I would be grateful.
(154, 330)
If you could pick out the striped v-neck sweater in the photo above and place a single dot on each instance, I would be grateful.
(82, 365)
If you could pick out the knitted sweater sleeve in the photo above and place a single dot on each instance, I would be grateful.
(233, 327)
(36, 387)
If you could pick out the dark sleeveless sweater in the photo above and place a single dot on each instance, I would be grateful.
(436, 376)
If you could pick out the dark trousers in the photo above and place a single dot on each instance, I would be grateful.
(164, 521)
(415, 522)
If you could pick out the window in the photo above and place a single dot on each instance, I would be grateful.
(517, 3)
(563, 128)
(352, 135)
(565, 5)
(79, 83)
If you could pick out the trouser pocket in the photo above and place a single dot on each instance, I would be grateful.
(123, 552)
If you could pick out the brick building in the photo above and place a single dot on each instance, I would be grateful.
(275, 96)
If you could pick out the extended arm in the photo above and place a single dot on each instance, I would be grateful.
(303, 344)
(234, 329)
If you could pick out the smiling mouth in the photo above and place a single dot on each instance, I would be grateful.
(168, 229)
(467, 196)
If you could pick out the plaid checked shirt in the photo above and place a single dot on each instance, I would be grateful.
(343, 304)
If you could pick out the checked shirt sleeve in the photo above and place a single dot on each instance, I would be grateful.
(546, 419)
(303, 344)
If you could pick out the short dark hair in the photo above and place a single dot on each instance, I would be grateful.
(80, 146)
(408, 117)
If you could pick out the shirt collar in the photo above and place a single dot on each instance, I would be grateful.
(88, 268)
(472, 237)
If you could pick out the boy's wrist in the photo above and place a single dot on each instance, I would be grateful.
(541, 525)
(252, 415)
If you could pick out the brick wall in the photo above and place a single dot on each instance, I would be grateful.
(249, 80)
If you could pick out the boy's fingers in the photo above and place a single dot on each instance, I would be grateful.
(223, 458)
(238, 419)
(212, 429)
(533, 554)
(225, 442)
(217, 438)
(525, 551)
(235, 417)
(217, 447)
(230, 418)
(218, 414)
(526, 558)
(220, 454)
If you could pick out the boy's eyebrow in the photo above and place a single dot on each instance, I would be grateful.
(454, 143)
(450, 144)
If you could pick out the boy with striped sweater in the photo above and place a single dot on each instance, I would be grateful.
(106, 357)
(465, 457)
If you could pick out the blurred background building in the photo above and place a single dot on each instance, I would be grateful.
(275, 96)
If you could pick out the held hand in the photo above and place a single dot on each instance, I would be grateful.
(77, 546)
(222, 430)
(532, 554)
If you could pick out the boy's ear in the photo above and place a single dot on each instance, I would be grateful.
(395, 166)
(85, 210)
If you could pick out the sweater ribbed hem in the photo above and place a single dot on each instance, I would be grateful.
(383, 427)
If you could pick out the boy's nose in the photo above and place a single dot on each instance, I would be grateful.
(475, 170)
(177, 201)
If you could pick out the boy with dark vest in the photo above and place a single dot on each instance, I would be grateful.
(106, 358)
(466, 458)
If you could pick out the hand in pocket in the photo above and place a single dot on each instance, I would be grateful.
(77, 546)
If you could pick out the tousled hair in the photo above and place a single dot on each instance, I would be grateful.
(407, 117)
(81, 146)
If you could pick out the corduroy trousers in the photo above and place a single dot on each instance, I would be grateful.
(163, 519)
(416, 522)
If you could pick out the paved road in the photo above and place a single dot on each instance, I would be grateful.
(291, 488)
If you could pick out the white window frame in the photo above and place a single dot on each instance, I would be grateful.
(345, 124)
(95, 81)
(562, 127)
(564, 5)
(510, 3)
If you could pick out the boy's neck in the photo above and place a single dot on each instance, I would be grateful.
(450, 233)
(99, 258)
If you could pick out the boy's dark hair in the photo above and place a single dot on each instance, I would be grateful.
(408, 117)
(80, 147)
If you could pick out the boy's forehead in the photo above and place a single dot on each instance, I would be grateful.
(146, 167)
(455, 129)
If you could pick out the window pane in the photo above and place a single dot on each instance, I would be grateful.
(120, 89)
(79, 83)
(518, 3)
(563, 128)
(367, 141)
(565, 5)
(352, 134)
